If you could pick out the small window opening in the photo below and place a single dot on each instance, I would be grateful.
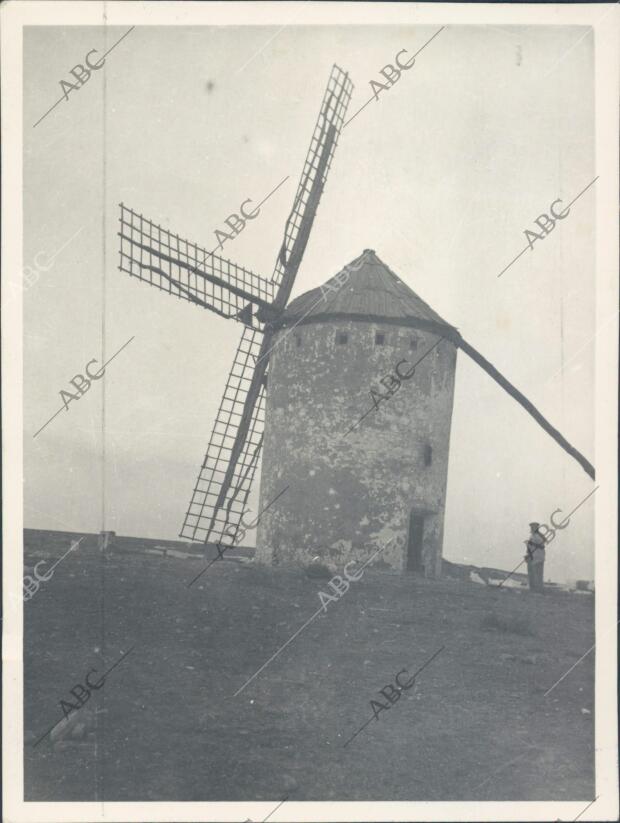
(428, 454)
(342, 338)
(379, 338)
(297, 339)
(413, 343)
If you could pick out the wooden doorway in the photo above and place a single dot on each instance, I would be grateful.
(415, 542)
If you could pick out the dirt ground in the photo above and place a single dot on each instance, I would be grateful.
(167, 725)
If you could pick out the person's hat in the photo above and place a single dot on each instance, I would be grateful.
(535, 525)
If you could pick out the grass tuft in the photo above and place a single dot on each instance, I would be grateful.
(508, 624)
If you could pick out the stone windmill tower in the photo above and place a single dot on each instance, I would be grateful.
(353, 484)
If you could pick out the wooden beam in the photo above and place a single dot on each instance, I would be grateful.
(523, 401)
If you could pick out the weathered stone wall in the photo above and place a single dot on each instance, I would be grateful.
(351, 493)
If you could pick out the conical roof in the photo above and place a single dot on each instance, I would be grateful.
(371, 292)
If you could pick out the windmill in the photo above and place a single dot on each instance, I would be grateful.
(160, 258)
(183, 269)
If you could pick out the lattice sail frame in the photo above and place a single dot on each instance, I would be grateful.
(332, 113)
(163, 259)
(204, 518)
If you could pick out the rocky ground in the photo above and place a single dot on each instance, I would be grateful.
(175, 720)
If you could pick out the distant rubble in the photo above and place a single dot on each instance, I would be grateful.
(517, 580)
(46, 543)
(50, 543)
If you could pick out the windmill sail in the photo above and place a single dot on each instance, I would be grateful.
(223, 482)
(529, 407)
(318, 162)
(217, 504)
(162, 259)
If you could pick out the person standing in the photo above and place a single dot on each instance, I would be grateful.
(535, 558)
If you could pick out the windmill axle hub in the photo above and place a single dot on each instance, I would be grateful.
(268, 314)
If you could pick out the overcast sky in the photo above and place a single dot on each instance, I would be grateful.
(441, 176)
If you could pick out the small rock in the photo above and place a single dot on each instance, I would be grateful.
(317, 571)
(63, 729)
(78, 731)
(288, 782)
(586, 711)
